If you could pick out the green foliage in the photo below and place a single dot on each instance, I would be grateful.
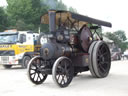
(71, 9)
(3, 19)
(61, 6)
(119, 39)
(25, 14)
(21, 25)
(121, 35)
(54, 4)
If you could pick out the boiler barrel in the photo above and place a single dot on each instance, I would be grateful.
(50, 50)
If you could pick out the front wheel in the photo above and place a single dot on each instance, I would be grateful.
(63, 71)
(35, 67)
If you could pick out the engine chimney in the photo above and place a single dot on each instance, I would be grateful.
(52, 21)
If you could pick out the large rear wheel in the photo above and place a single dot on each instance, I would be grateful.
(63, 71)
(100, 59)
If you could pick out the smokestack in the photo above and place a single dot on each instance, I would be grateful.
(52, 21)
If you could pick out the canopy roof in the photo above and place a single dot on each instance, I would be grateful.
(74, 18)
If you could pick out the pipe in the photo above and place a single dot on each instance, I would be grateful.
(52, 21)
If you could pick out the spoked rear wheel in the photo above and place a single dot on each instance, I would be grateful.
(35, 66)
(62, 71)
(100, 59)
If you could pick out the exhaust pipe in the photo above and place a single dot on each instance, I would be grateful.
(52, 21)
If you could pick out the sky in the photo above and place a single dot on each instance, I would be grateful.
(114, 11)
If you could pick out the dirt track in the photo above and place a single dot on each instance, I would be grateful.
(14, 82)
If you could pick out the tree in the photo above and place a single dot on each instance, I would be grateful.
(54, 4)
(26, 12)
(61, 6)
(121, 35)
(119, 39)
(72, 10)
(21, 25)
(3, 20)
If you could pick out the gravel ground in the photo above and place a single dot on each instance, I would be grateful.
(14, 82)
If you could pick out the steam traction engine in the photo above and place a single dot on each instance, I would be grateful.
(69, 48)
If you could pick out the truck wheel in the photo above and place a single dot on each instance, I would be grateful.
(25, 62)
(100, 59)
(63, 71)
(7, 66)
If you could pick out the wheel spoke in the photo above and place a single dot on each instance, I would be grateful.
(39, 76)
(99, 53)
(102, 49)
(106, 62)
(34, 65)
(32, 73)
(103, 69)
(34, 76)
(62, 80)
(58, 77)
(105, 53)
(33, 68)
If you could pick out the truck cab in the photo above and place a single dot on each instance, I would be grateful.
(17, 47)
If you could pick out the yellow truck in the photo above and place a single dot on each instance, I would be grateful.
(17, 47)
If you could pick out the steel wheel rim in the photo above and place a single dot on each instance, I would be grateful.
(35, 74)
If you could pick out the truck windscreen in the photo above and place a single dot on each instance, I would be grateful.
(8, 38)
